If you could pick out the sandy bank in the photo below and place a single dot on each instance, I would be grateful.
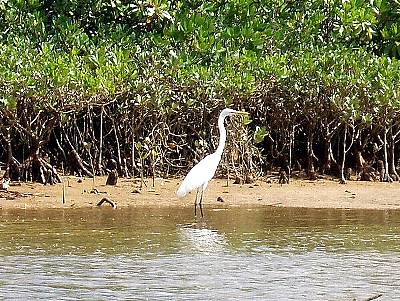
(299, 193)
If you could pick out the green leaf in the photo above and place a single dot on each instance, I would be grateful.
(260, 134)
(247, 120)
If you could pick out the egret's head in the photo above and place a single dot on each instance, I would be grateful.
(229, 112)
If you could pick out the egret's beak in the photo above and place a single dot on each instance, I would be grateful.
(242, 113)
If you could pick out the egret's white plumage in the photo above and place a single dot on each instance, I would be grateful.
(199, 176)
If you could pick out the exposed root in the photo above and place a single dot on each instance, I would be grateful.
(108, 201)
(112, 178)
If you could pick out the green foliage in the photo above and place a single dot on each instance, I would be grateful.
(342, 55)
(259, 134)
(374, 24)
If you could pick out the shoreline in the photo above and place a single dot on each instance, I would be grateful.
(84, 193)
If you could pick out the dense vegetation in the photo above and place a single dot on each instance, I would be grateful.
(142, 82)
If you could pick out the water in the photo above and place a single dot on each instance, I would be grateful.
(232, 254)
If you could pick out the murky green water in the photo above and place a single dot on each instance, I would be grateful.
(234, 254)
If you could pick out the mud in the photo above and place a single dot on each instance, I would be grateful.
(85, 192)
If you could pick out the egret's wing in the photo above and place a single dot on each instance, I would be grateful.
(200, 174)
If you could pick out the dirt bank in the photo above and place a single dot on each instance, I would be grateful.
(299, 193)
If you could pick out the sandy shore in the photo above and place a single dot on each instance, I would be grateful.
(299, 193)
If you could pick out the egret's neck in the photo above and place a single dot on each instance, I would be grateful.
(222, 136)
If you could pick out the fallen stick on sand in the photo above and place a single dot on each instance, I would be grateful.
(107, 200)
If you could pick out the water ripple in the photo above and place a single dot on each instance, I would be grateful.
(159, 254)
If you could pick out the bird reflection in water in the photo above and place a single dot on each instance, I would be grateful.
(201, 239)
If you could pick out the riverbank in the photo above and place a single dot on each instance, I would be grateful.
(80, 193)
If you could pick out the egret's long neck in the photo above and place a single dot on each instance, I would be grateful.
(222, 136)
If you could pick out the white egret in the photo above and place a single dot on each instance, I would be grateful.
(199, 176)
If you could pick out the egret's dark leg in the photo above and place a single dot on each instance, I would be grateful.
(200, 205)
(195, 203)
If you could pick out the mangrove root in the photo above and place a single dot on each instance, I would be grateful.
(78, 165)
(112, 178)
(37, 169)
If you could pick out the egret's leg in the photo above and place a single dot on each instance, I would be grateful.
(195, 203)
(200, 205)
